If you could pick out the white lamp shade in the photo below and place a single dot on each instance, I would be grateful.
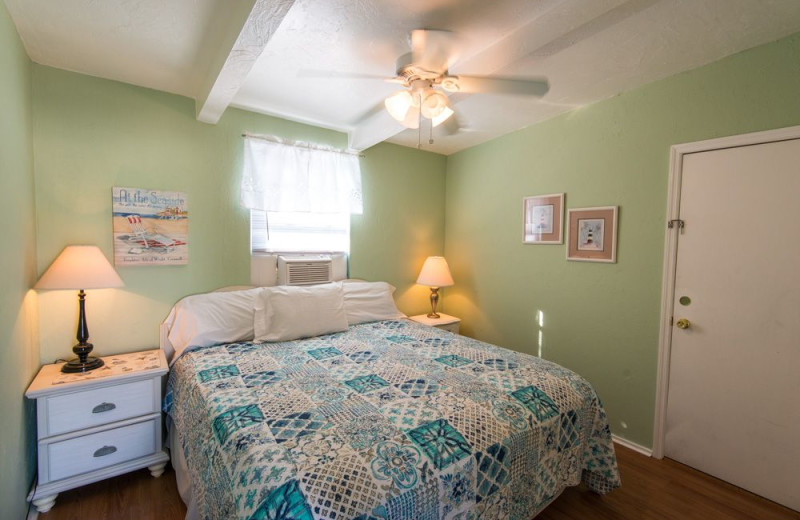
(435, 273)
(433, 103)
(80, 267)
(444, 116)
(404, 107)
(412, 118)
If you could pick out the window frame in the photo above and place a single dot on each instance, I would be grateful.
(264, 223)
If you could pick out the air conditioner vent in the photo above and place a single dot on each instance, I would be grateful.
(307, 272)
(304, 271)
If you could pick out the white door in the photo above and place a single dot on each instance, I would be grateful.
(733, 407)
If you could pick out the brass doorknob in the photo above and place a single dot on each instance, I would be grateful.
(682, 323)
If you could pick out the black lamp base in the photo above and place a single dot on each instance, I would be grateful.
(76, 365)
(84, 363)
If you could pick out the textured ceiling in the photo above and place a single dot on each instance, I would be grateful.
(289, 57)
(153, 44)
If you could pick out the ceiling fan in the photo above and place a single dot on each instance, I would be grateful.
(424, 72)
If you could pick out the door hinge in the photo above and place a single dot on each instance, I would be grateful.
(675, 222)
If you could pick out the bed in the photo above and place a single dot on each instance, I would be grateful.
(385, 419)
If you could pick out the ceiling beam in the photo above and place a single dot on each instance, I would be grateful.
(373, 129)
(251, 27)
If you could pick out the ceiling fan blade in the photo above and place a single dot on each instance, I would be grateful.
(451, 126)
(328, 74)
(434, 51)
(500, 85)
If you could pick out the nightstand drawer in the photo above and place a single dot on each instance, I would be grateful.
(102, 449)
(79, 410)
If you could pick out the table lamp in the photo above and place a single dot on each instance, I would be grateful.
(80, 267)
(435, 274)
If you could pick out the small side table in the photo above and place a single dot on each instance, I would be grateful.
(444, 322)
(98, 424)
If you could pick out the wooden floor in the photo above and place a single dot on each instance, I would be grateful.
(651, 489)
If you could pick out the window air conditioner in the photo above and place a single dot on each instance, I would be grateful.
(304, 270)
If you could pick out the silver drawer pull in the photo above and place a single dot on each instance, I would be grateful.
(103, 407)
(105, 450)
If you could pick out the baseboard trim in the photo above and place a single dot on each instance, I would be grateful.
(632, 445)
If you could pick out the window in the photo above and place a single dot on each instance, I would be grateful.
(291, 231)
(300, 196)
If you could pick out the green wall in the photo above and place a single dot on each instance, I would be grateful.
(20, 354)
(601, 320)
(91, 134)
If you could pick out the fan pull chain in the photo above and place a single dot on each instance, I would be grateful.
(419, 123)
(430, 135)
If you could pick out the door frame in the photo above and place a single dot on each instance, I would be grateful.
(677, 153)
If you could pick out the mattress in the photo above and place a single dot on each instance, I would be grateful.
(389, 420)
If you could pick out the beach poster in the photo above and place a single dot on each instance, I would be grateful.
(151, 227)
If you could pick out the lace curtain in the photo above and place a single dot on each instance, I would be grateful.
(284, 177)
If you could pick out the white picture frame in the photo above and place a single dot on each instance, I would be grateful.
(592, 234)
(543, 219)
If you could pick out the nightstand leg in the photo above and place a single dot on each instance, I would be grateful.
(44, 504)
(157, 469)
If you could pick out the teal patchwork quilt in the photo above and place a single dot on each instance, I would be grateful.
(390, 420)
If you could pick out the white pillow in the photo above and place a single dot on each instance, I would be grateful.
(285, 312)
(229, 288)
(369, 301)
(202, 320)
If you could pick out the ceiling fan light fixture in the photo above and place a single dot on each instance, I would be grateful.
(420, 100)
(412, 118)
(444, 116)
(399, 105)
(434, 103)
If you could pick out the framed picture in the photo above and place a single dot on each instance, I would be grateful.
(592, 234)
(543, 219)
(151, 227)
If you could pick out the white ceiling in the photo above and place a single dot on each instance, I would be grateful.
(287, 57)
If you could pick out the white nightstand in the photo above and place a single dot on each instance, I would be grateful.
(98, 424)
(444, 322)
